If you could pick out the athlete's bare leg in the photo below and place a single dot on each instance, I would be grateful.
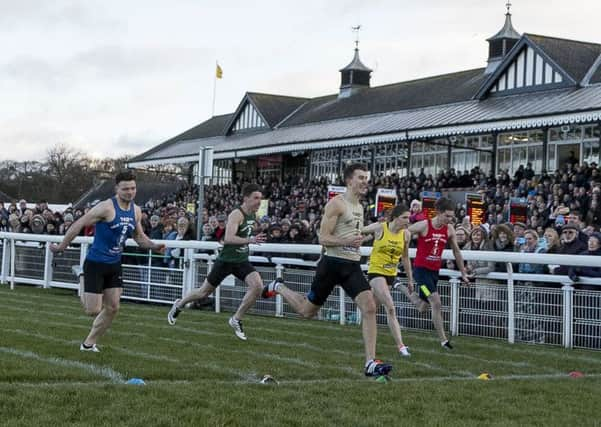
(104, 319)
(436, 304)
(255, 286)
(365, 302)
(204, 291)
(299, 302)
(382, 295)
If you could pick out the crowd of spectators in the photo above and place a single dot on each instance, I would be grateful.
(563, 212)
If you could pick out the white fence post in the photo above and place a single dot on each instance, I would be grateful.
(217, 293)
(454, 306)
(12, 264)
(279, 301)
(83, 252)
(510, 305)
(5, 261)
(568, 314)
(187, 274)
(342, 302)
(48, 268)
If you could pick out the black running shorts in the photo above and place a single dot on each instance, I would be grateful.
(389, 279)
(98, 276)
(222, 269)
(426, 281)
(333, 271)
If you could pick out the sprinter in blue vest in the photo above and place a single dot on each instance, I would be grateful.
(116, 219)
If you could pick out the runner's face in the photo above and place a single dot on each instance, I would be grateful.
(358, 183)
(253, 201)
(447, 217)
(126, 190)
(402, 220)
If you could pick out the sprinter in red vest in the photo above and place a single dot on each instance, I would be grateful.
(433, 236)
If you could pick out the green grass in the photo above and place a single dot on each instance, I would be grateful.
(199, 373)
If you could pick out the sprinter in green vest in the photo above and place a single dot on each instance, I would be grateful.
(233, 259)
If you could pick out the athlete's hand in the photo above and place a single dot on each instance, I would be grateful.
(55, 249)
(354, 241)
(465, 278)
(410, 287)
(259, 238)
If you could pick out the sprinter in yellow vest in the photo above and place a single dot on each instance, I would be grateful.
(391, 244)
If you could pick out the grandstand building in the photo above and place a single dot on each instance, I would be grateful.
(538, 100)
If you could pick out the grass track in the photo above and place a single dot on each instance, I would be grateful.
(198, 373)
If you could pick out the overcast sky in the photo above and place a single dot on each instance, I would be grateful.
(116, 77)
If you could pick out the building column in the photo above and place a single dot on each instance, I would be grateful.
(449, 154)
(545, 148)
(373, 161)
(495, 144)
(340, 161)
(408, 142)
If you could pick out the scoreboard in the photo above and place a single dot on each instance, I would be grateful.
(476, 209)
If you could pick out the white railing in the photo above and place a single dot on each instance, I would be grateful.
(512, 306)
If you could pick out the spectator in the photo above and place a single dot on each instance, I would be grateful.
(207, 233)
(67, 222)
(531, 246)
(519, 228)
(478, 242)
(571, 245)
(275, 234)
(593, 249)
(416, 211)
(502, 240)
(156, 228)
(219, 232)
(38, 224)
(183, 232)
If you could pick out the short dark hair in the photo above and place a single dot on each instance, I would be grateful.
(126, 175)
(444, 204)
(250, 188)
(349, 170)
(397, 211)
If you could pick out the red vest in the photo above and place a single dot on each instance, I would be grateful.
(430, 247)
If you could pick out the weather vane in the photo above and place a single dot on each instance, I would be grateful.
(508, 5)
(356, 30)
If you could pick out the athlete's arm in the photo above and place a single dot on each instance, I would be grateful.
(407, 262)
(141, 238)
(372, 231)
(100, 212)
(234, 220)
(457, 253)
(419, 228)
(335, 208)
(374, 228)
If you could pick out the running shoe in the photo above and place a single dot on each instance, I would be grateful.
(446, 345)
(404, 351)
(237, 327)
(174, 312)
(269, 289)
(377, 368)
(93, 348)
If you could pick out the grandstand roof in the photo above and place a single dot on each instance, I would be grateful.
(447, 104)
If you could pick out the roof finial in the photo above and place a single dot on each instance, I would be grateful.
(356, 30)
(508, 6)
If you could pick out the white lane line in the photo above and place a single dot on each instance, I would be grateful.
(102, 371)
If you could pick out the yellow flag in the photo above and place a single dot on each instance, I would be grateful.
(218, 72)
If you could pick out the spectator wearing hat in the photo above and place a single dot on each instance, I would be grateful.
(38, 224)
(67, 222)
(14, 225)
(275, 234)
(22, 206)
(571, 245)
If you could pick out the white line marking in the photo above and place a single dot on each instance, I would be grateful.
(103, 371)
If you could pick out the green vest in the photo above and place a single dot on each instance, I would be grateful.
(239, 253)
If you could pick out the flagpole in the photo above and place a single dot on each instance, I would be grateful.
(214, 87)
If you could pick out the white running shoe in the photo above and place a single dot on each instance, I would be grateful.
(404, 351)
(93, 348)
(237, 327)
(174, 312)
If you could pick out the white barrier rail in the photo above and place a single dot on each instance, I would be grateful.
(512, 306)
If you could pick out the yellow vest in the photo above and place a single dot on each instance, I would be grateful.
(387, 252)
